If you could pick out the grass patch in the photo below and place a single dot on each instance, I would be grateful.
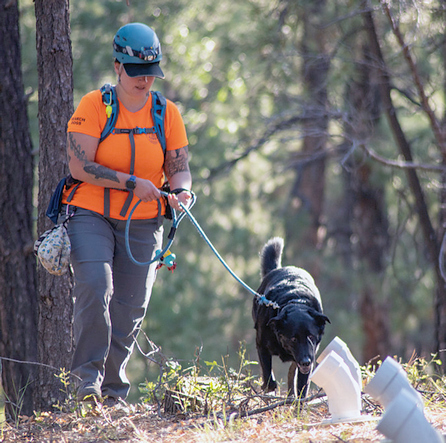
(212, 402)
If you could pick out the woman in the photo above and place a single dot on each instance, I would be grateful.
(111, 292)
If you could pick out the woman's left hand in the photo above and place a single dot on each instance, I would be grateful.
(183, 197)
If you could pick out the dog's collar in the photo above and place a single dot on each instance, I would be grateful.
(300, 301)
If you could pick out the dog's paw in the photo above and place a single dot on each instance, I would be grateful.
(270, 386)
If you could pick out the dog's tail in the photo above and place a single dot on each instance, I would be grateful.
(271, 255)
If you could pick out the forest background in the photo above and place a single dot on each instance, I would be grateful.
(321, 122)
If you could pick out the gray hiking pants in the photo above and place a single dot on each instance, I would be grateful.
(111, 297)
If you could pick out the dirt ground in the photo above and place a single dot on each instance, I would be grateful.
(147, 423)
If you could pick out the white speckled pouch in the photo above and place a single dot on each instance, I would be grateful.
(53, 248)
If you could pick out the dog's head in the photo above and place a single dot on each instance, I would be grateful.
(299, 330)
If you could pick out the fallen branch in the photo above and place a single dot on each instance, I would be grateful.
(286, 401)
(13, 360)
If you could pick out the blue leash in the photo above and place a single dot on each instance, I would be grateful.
(176, 221)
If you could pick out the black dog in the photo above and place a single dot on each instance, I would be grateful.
(292, 331)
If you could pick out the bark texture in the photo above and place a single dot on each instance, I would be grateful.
(54, 64)
(18, 299)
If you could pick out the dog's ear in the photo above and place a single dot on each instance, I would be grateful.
(274, 322)
(320, 318)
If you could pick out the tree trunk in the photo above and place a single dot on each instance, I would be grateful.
(54, 64)
(365, 205)
(307, 194)
(18, 298)
(430, 235)
(440, 294)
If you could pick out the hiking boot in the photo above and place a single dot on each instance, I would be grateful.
(88, 394)
(110, 401)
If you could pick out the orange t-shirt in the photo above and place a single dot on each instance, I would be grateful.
(115, 152)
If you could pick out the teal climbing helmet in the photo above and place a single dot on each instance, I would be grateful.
(137, 47)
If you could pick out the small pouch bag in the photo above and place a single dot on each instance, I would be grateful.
(53, 248)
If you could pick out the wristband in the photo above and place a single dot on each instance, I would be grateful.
(130, 184)
(179, 191)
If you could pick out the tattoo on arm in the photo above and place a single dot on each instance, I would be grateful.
(76, 148)
(101, 172)
(176, 161)
(97, 171)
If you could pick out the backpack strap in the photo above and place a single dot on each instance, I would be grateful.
(111, 109)
(129, 198)
(158, 114)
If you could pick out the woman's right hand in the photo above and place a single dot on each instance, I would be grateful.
(146, 190)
